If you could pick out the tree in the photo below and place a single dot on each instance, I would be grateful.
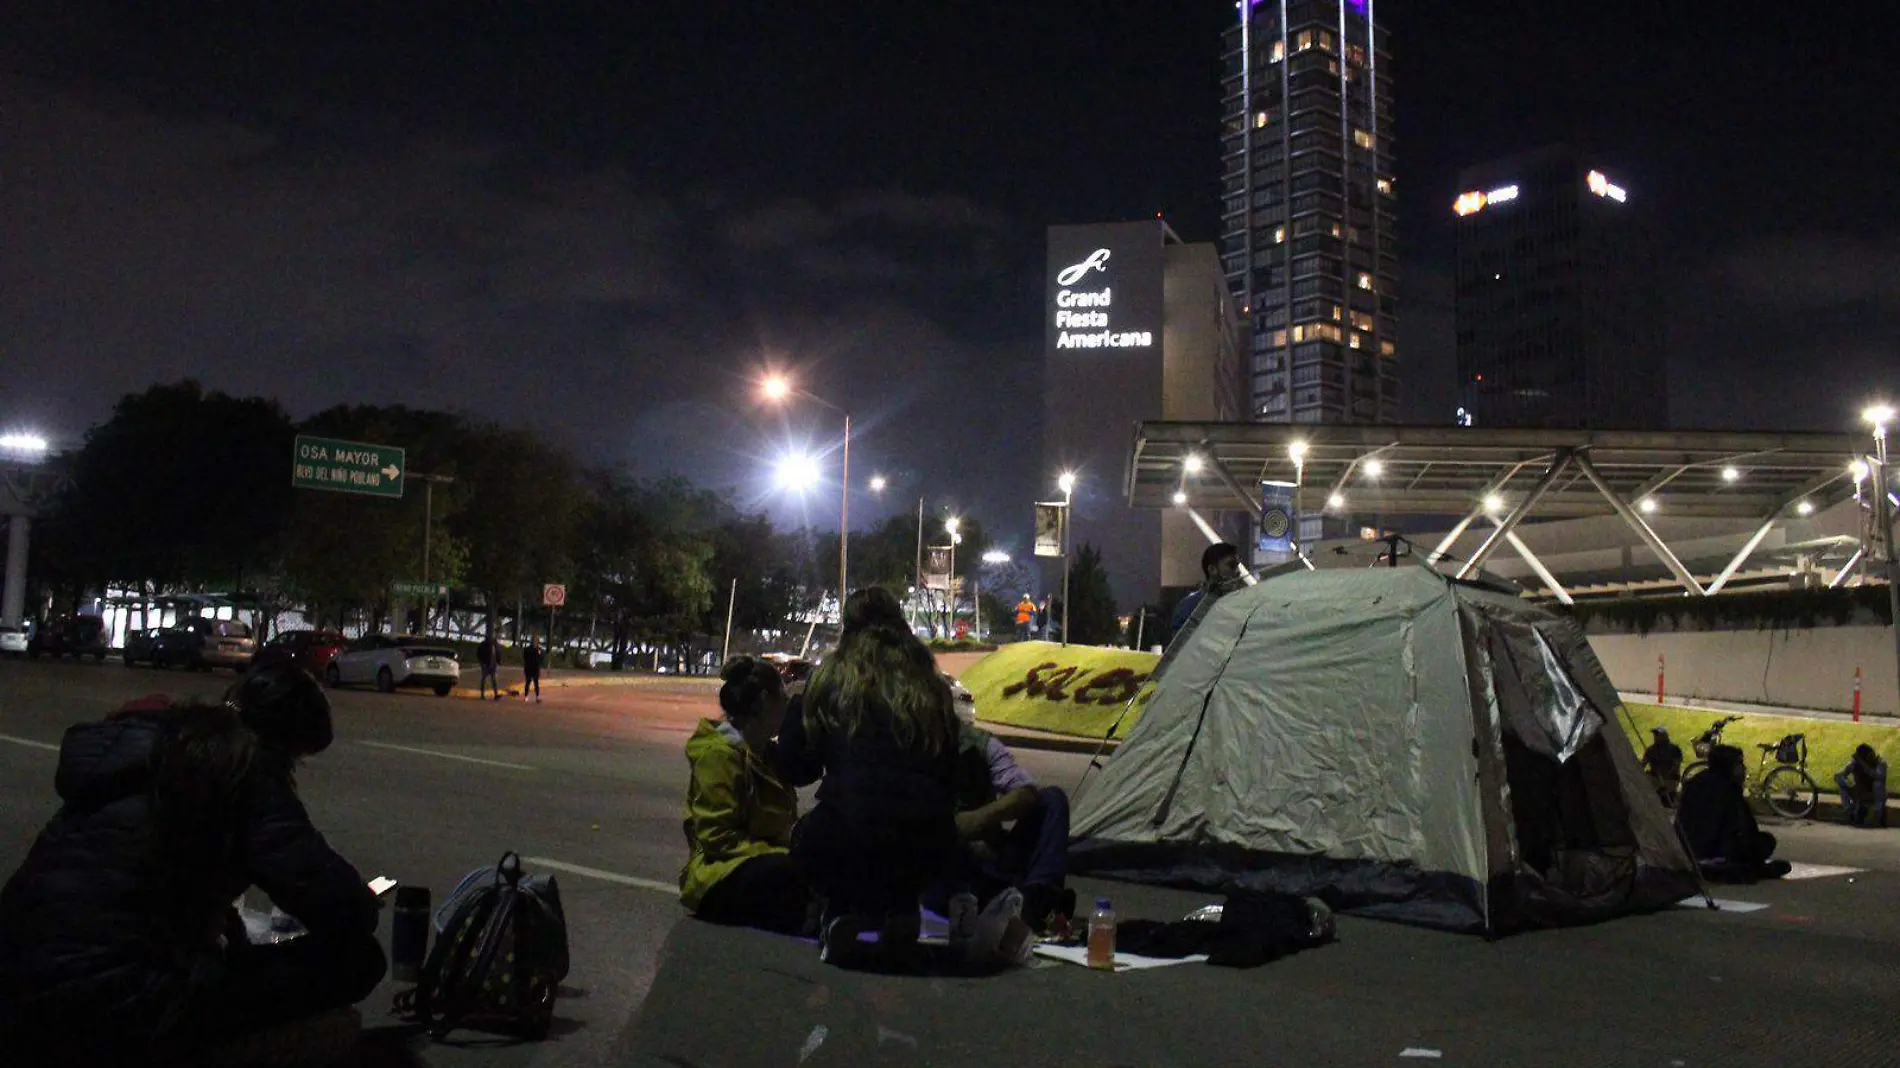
(521, 502)
(643, 555)
(1091, 604)
(181, 488)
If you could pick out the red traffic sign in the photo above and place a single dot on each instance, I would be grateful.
(553, 595)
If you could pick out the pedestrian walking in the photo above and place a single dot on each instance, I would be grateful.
(531, 671)
(488, 653)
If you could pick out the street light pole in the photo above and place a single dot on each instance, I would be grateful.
(428, 535)
(917, 591)
(1880, 416)
(1067, 484)
(844, 524)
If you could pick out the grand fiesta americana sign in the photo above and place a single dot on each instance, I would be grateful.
(1084, 316)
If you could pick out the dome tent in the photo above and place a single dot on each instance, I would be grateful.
(1402, 744)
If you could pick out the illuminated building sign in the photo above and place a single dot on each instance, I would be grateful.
(1603, 187)
(1474, 201)
(1105, 287)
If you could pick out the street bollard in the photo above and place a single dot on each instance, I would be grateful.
(1659, 678)
(1857, 694)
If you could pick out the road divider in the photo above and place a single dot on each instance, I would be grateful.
(445, 756)
(1077, 690)
(29, 743)
(605, 876)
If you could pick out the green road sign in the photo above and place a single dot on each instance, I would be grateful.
(347, 467)
(419, 589)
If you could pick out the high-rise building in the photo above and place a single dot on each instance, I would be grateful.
(1559, 317)
(1309, 217)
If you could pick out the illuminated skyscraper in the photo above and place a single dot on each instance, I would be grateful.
(1559, 317)
(1309, 216)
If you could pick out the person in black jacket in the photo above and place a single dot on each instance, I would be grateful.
(118, 940)
(1719, 827)
(879, 724)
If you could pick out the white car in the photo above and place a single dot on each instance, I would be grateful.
(392, 660)
(12, 640)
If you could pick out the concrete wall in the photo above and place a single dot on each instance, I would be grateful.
(1811, 669)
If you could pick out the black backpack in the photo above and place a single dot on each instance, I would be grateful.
(498, 960)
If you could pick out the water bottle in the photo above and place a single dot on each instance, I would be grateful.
(1102, 936)
(409, 933)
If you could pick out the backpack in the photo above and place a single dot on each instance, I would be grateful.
(498, 959)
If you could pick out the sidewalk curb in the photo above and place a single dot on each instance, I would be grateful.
(1048, 741)
(513, 688)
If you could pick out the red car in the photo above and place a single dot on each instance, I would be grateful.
(311, 650)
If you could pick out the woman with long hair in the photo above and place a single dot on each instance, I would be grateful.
(118, 942)
(739, 812)
(880, 724)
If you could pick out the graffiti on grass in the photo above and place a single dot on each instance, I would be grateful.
(1050, 681)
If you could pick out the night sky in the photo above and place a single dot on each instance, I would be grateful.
(600, 219)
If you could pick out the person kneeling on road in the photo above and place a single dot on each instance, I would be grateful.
(1863, 786)
(1721, 830)
(118, 940)
(740, 812)
(1013, 833)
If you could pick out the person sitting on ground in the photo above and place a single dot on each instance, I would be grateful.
(878, 723)
(740, 813)
(1013, 832)
(1220, 572)
(118, 940)
(1663, 761)
(1721, 830)
(1863, 785)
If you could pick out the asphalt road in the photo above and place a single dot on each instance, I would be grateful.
(422, 789)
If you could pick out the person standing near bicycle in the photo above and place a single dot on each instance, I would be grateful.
(1719, 827)
(1863, 785)
(1663, 761)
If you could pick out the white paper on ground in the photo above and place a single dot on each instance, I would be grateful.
(1820, 871)
(381, 885)
(1124, 962)
(1722, 904)
(1415, 1051)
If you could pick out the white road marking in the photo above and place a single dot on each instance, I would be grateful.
(607, 876)
(1819, 871)
(28, 742)
(445, 756)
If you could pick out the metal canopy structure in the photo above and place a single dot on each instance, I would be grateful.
(1468, 473)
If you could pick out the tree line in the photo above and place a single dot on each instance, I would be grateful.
(184, 490)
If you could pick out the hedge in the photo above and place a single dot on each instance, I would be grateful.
(1764, 610)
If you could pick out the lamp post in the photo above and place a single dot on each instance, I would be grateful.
(994, 556)
(1066, 483)
(1880, 416)
(428, 533)
(778, 389)
(950, 526)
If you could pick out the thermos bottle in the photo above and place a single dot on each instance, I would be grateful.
(409, 933)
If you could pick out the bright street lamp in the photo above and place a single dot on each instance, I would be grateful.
(878, 483)
(1647, 504)
(778, 389)
(24, 443)
(1730, 474)
(1336, 500)
(1493, 503)
(1373, 468)
(1192, 465)
(1859, 470)
(1297, 452)
(797, 472)
(1066, 484)
(1880, 415)
(1804, 508)
(1180, 497)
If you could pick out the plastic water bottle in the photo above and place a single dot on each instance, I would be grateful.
(409, 933)
(1102, 936)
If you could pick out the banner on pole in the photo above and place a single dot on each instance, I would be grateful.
(1277, 518)
(1049, 522)
(937, 567)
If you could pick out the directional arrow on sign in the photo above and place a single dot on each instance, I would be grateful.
(391, 471)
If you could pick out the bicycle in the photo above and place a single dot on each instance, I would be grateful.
(1785, 787)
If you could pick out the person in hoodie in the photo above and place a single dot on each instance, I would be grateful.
(879, 724)
(739, 812)
(118, 940)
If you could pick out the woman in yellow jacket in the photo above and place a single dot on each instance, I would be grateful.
(740, 813)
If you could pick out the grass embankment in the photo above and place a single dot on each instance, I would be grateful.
(1830, 742)
(1076, 690)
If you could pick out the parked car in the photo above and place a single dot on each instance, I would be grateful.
(199, 644)
(311, 650)
(74, 636)
(392, 660)
(12, 640)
